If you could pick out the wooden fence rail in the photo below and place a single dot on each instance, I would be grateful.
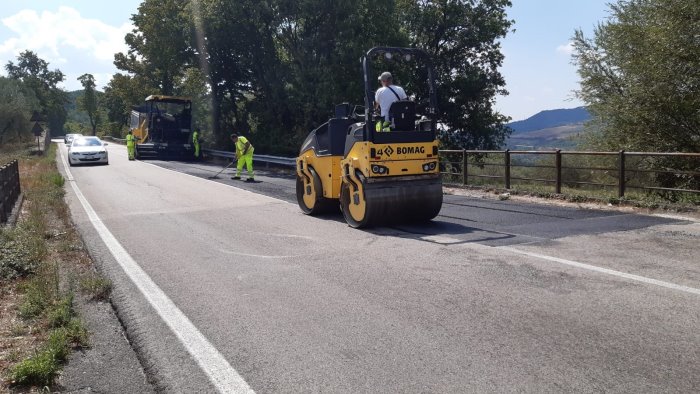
(456, 165)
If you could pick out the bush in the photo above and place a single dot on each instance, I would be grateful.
(61, 313)
(40, 369)
(97, 287)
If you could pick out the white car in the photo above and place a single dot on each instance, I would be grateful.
(85, 150)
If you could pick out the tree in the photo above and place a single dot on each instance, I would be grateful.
(639, 76)
(462, 37)
(194, 85)
(121, 93)
(275, 68)
(16, 106)
(159, 47)
(88, 101)
(36, 76)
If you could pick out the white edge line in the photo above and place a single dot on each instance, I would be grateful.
(222, 375)
(620, 274)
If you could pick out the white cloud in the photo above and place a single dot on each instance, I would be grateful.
(51, 34)
(566, 49)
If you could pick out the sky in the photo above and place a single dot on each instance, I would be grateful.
(81, 36)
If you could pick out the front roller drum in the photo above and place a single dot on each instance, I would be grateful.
(391, 202)
(310, 196)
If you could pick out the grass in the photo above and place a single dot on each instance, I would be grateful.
(96, 287)
(42, 259)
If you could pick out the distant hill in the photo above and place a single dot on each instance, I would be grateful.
(552, 129)
(551, 118)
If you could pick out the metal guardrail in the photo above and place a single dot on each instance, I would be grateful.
(279, 160)
(621, 172)
(114, 139)
(9, 189)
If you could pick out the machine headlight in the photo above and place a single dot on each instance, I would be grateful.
(429, 166)
(381, 170)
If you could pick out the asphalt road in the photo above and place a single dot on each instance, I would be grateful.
(493, 296)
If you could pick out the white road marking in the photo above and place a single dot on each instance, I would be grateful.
(222, 375)
(441, 239)
(260, 256)
(607, 271)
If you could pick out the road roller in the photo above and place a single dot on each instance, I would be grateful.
(374, 176)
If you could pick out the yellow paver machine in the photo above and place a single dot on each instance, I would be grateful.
(376, 177)
(163, 128)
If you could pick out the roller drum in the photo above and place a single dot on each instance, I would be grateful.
(397, 201)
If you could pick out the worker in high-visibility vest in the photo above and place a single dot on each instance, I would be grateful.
(195, 142)
(130, 144)
(244, 154)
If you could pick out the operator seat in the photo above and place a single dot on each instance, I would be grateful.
(402, 114)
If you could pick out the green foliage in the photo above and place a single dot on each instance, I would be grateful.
(463, 38)
(274, 69)
(639, 76)
(158, 48)
(88, 101)
(61, 313)
(19, 253)
(96, 286)
(40, 369)
(35, 75)
(41, 292)
(57, 179)
(17, 103)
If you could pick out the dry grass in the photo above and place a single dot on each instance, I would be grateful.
(43, 266)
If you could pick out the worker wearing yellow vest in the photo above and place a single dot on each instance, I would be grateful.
(244, 154)
(130, 144)
(195, 142)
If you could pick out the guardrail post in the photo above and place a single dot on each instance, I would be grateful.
(621, 175)
(507, 168)
(557, 165)
(464, 167)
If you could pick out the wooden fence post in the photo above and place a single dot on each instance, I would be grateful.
(464, 167)
(621, 175)
(507, 167)
(557, 164)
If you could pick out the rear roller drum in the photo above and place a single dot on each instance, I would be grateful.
(310, 196)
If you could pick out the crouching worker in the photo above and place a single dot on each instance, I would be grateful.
(244, 154)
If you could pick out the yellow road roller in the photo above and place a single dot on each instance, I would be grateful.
(376, 176)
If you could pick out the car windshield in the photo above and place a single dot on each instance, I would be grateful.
(86, 142)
